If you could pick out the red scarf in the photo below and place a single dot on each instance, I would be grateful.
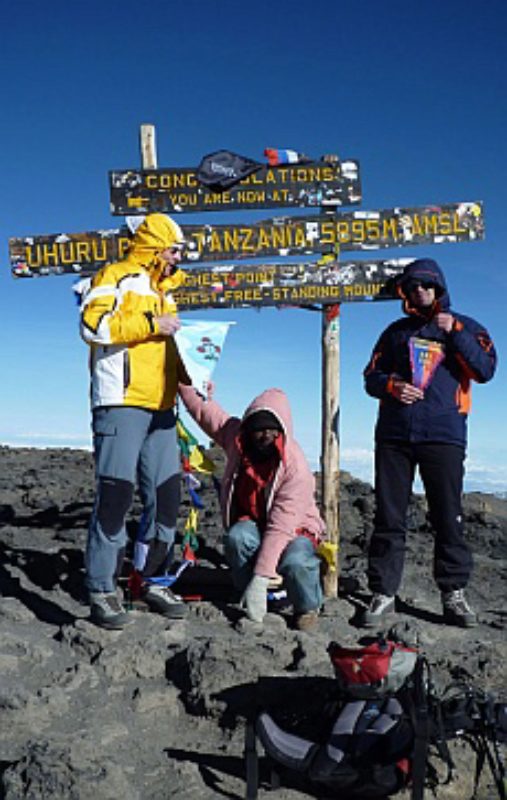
(249, 500)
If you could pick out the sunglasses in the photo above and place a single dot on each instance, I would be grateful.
(413, 285)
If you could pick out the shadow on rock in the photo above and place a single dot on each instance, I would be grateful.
(402, 607)
(304, 702)
(307, 706)
(48, 571)
(212, 766)
(74, 515)
(44, 610)
(209, 764)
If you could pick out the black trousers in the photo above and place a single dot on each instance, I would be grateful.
(441, 470)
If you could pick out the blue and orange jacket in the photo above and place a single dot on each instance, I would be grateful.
(469, 354)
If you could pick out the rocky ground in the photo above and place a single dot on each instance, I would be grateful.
(157, 710)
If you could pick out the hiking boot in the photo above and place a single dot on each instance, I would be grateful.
(163, 601)
(456, 609)
(107, 611)
(307, 620)
(380, 606)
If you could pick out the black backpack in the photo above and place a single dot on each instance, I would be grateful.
(375, 739)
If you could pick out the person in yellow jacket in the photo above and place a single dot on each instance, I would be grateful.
(128, 317)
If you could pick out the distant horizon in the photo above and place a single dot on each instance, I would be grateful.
(471, 484)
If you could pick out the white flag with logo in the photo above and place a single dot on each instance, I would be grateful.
(200, 345)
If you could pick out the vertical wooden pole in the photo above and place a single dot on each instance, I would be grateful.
(148, 147)
(330, 458)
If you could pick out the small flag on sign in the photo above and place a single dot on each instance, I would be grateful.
(276, 157)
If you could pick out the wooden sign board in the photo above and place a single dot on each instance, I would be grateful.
(282, 236)
(288, 284)
(175, 190)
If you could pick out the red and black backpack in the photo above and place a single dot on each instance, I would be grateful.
(371, 728)
(374, 740)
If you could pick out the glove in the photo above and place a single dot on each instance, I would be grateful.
(255, 598)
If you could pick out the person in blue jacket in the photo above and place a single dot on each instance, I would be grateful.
(421, 370)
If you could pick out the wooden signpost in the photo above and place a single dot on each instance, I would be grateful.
(330, 436)
(280, 236)
(175, 190)
(327, 283)
(288, 284)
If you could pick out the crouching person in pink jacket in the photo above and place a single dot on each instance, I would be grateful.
(267, 498)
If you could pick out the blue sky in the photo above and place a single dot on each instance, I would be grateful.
(414, 90)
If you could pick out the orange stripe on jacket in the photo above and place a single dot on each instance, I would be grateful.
(468, 373)
(464, 396)
(373, 363)
(485, 342)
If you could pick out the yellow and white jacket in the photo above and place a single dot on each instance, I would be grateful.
(131, 364)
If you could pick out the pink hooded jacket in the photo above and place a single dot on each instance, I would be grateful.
(290, 501)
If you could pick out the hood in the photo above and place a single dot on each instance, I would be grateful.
(276, 401)
(424, 269)
(156, 233)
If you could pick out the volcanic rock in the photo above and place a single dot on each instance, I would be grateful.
(158, 710)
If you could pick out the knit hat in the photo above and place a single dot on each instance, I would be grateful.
(261, 421)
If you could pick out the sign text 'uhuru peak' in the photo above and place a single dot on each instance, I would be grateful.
(280, 236)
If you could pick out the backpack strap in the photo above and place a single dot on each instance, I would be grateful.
(251, 761)
(488, 750)
(439, 735)
(497, 769)
(421, 722)
(468, 712)
(284, 748)
(495, 760)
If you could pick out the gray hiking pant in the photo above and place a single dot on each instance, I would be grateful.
(298, 565)
(131, 443)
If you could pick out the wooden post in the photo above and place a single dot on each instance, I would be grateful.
(330, 458)
(148, 147)
(330, 449)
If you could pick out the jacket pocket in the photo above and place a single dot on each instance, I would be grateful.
(102, 427)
